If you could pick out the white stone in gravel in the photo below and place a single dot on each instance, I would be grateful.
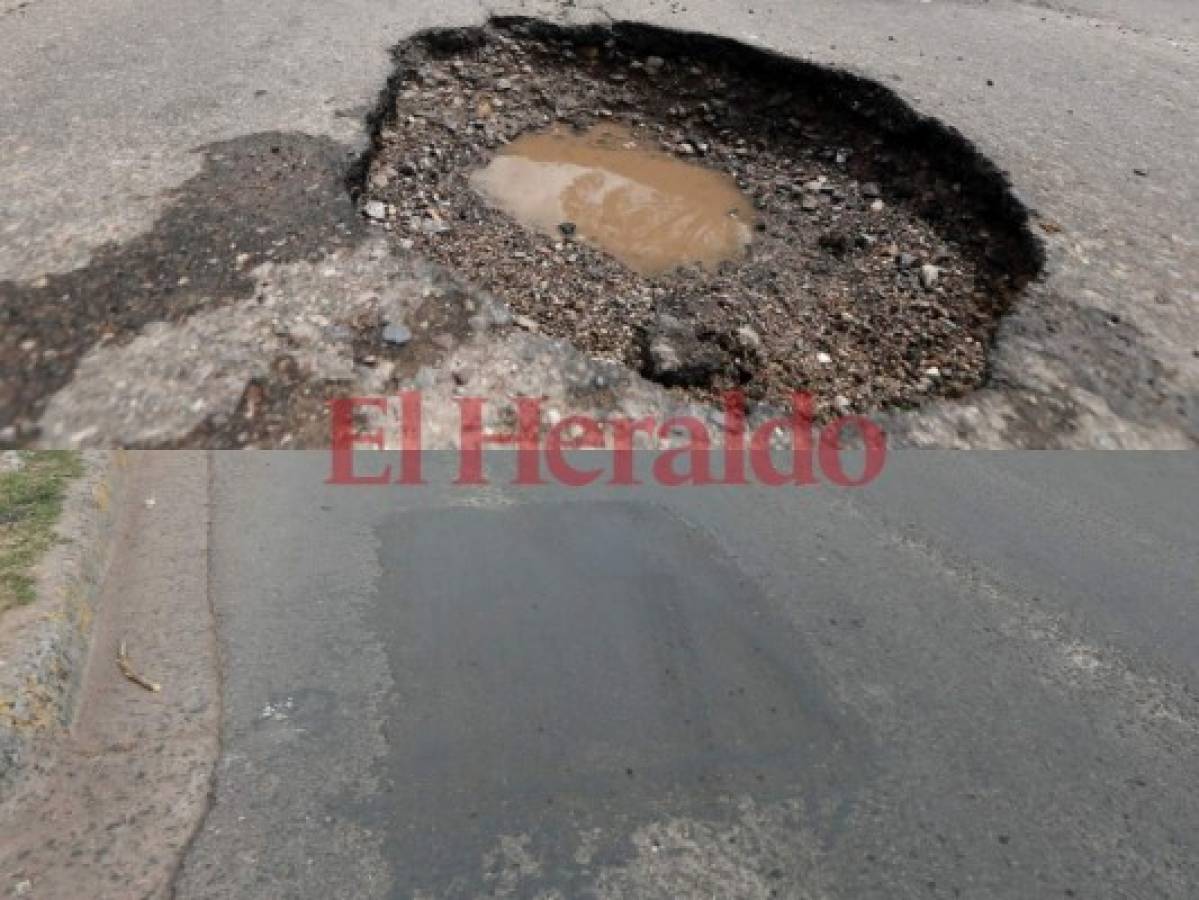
(749, 338)
(929, 274)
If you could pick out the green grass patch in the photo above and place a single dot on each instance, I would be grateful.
(30, 504)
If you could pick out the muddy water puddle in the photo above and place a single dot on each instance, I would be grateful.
(647, 208)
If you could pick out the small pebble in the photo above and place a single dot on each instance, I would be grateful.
(749, 338)
(399, 335)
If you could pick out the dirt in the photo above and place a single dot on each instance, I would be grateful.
(885, 251)
(287, 405)
(105, 807)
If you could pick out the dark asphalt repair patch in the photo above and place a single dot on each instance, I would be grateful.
(273, 196)
(577, 678)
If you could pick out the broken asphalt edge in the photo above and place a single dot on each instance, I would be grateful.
(44, 645)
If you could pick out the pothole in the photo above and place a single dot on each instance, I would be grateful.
(711, 215)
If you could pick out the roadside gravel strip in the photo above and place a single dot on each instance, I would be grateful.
(43, 644)
(105, 805)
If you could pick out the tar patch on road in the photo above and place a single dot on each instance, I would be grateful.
(277, 197)
(573, 693)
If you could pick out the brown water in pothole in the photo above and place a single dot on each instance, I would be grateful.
(647, 208)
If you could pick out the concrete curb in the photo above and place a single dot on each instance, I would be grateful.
(43, 646)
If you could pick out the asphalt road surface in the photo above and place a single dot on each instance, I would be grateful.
(136, 172)
(969, 679)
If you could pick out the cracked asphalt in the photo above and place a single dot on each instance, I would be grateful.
(112, 110)
(974, 678)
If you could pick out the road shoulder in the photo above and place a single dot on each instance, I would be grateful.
(43, 644)
(106, 807)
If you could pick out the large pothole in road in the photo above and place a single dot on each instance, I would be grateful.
(714, 216)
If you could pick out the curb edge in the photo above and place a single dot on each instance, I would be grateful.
(44, 646)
